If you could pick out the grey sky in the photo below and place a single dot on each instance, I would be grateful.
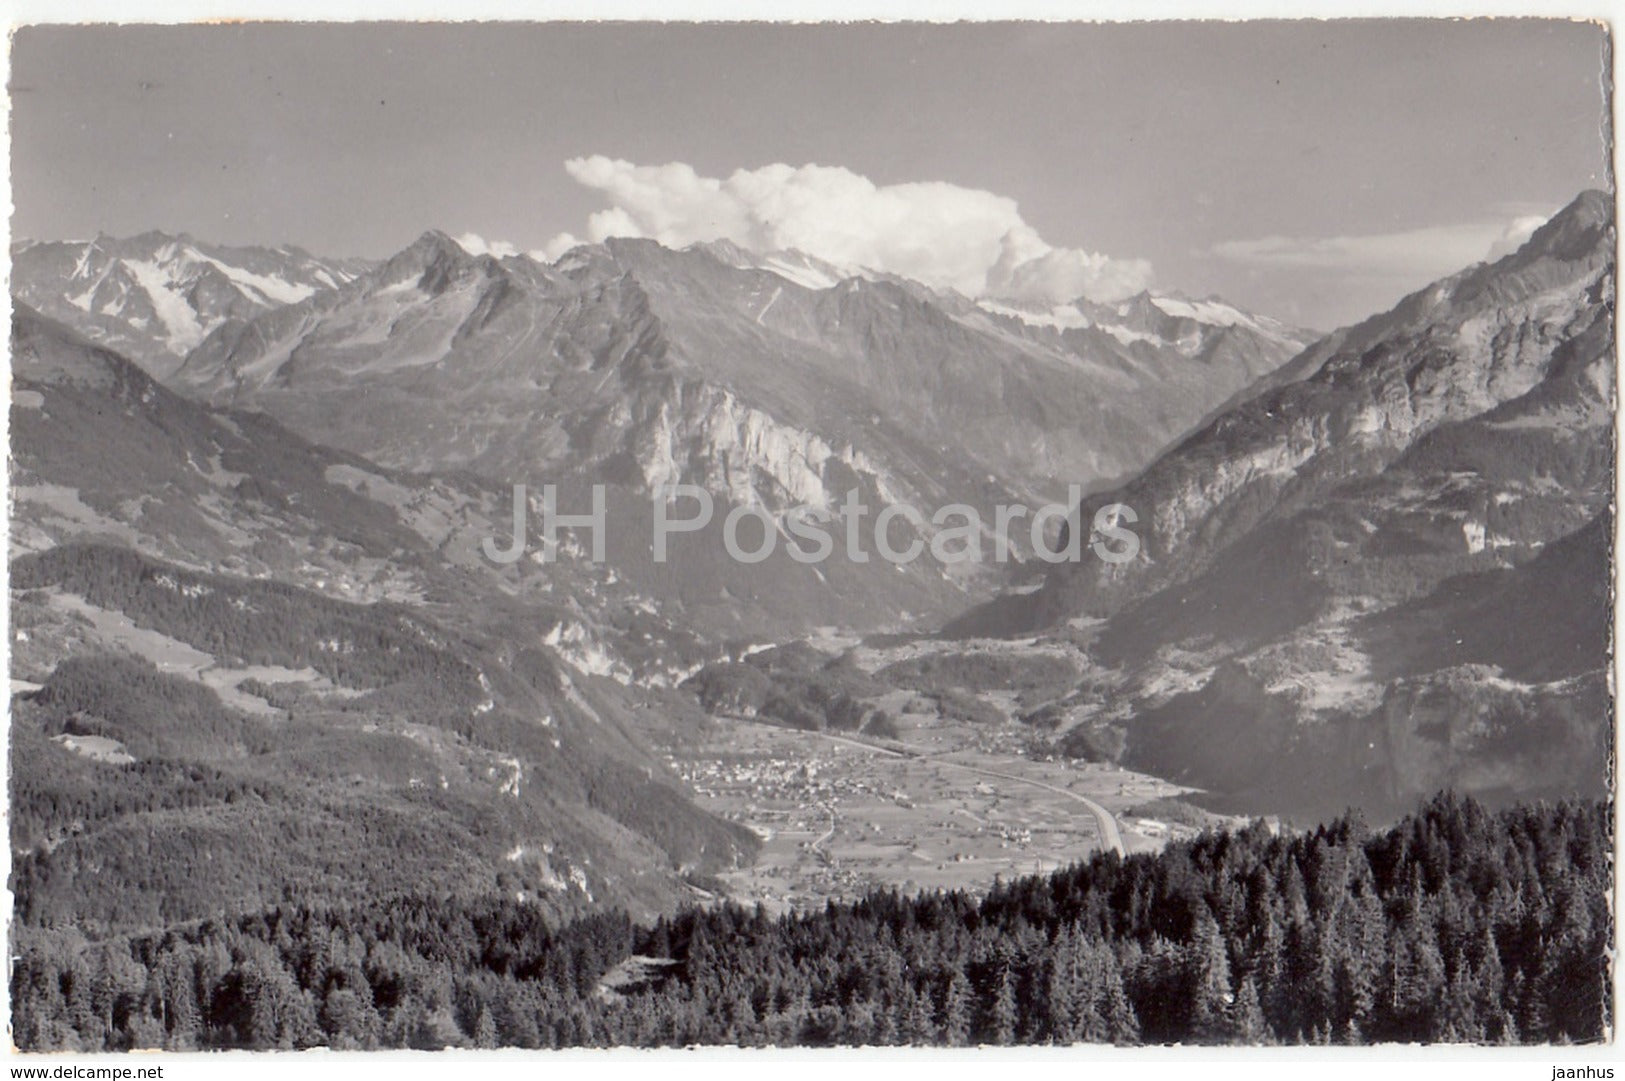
(1314, 171)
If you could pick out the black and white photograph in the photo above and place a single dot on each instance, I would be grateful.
(563, 536)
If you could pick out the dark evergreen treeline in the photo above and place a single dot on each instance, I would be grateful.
(1455, 925)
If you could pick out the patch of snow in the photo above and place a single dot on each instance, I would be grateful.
(770, 300)
(802, 275)
(402, 286)
(82, 266)
(1129, 337)
(1211, 312)
(273, 289)
(177, 316)
(1059, 317)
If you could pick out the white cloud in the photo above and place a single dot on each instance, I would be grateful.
(474, 244)
(1057, 275)
(1513, 237)
(556, 247)
(938, 233)
(1422, 254)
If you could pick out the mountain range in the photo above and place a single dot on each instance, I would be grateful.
(154, 297)
(1337, 592)
(771, 381)
(250, 488)
(215, 604)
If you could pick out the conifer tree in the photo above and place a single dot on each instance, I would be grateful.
(1002, 1015)
(955, 1016)
(1208, 979)
(1247, 1024)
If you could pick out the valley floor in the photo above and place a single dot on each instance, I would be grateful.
(933, 810)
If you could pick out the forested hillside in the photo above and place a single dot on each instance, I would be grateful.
(1454, 925)
(202, 743)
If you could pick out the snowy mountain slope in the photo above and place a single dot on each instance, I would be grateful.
(155, 296)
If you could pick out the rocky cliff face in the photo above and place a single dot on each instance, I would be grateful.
(612, 340)
(101, 449)
(1531, 327)
(772, 381)
(1470, 728)
(1390, 574)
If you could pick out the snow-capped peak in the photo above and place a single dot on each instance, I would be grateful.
(157, 295)
(791, 264)
(1165, 319)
